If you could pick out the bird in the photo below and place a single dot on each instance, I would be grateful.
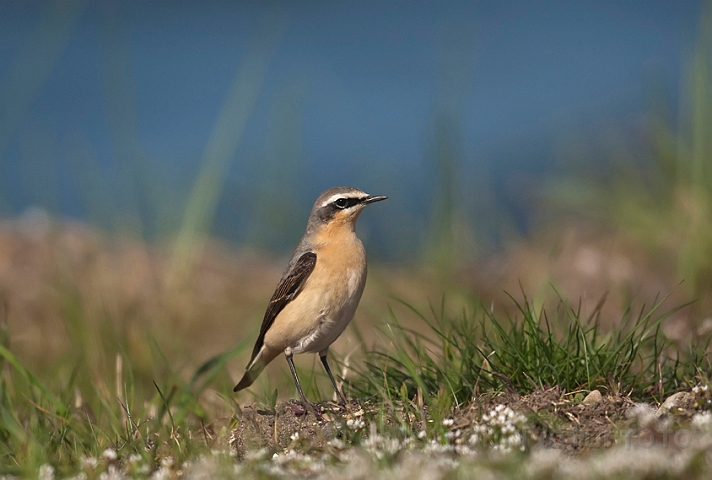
(317, 296)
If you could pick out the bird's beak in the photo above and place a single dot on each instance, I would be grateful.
(373, 198)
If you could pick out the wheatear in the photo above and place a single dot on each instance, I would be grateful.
(320, 289)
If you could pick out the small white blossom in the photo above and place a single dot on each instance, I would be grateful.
(112, 473)
(89, 463)
(355, 424)
(702, 421)
(163, 473)
(499, 428)
(109, 454)
(46, 472)
(336, 443)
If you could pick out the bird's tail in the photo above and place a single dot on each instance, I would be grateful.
(254, 368)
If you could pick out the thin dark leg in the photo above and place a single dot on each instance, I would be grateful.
(296, 379)
(306, 403)
(342, 402)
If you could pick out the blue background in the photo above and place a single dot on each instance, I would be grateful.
(106, 108)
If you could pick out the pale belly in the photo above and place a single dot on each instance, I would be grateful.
(318, 316)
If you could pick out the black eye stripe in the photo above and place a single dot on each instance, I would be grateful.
(343, 202)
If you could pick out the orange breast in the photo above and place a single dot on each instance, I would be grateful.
(329, 298)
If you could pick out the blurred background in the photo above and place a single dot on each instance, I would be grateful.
(158, 161)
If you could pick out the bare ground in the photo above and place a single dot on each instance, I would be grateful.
(573, 423)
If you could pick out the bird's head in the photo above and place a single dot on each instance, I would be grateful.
(340, 207)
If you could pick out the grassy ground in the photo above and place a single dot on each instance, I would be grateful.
(111, 368)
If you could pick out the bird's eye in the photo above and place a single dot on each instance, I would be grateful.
(341, 203)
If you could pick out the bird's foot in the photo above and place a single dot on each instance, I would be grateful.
(334, 406)
(301, 407)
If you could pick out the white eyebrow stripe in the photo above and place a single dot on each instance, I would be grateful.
(336, 196)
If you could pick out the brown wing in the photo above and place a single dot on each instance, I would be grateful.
(287, 290)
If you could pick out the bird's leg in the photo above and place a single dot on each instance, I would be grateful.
(322, 355)
(305, 402)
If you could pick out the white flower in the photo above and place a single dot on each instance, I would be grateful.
(500, 429)
(109, 454)
(112, 474)
(355, 424)
(702, 421)
(699, 388)
(89, 463)
(336, 443)
(46, 472)
(162, 473)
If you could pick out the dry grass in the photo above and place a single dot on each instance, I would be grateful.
(104, 342)
(72, 292)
